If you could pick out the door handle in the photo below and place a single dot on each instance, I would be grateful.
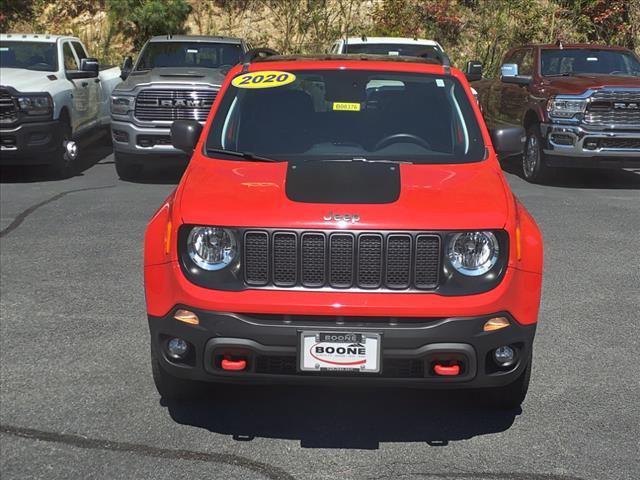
(84, 84)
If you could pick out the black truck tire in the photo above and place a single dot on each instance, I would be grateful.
(126, 167)
(64, 163)
(534, 167)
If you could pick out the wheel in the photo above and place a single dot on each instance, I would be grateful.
(534, 168)
(66, 155)
(126, 167)
(173, 388)
(510, 396)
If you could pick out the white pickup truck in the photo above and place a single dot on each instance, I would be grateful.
(51, 94)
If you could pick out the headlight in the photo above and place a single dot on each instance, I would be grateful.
(212, 248)
(36, 104)
(473, 253)
(121, 105)
(565, 107)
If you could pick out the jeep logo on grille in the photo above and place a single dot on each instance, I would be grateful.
(180, 102)
(626, 106)
(342, 217)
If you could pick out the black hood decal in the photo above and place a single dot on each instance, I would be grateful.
(342, 182)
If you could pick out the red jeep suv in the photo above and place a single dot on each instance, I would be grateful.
(344, 220)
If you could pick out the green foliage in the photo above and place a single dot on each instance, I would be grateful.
(142, 19)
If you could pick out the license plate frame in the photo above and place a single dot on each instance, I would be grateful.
(362, 352)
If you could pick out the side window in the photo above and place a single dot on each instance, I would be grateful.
(69, 59)
(525, 66)
(80, 52)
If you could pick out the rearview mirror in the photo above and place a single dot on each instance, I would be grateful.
(473, 71)
(508, 141)
(127, 66)
(90, 65)
(509, 74)
(185, 135)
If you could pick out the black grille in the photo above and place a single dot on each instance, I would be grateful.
(8, 110)
(342, 260)
(169, 105)
(622, 143)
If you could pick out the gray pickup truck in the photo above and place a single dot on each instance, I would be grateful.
(174, 78)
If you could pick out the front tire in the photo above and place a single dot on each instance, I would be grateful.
(534, 168)
(66, 155)
(174, 388)
(126, 167)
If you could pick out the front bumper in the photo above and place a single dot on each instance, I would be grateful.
(269, 343)
(22, 144)
(580, 146)
(130, 138)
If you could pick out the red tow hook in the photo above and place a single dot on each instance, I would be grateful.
(446, 370)
(233, 365)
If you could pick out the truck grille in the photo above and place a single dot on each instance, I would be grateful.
(614, 107)
(8, 110)
(169, 105)
(342, 260)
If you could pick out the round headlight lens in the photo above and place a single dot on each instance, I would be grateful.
(473, 253)
(212, 248)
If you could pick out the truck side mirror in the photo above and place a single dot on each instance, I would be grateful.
(90, 65)
(185, 135)
(508, 141)
(127, 66)
(509, 74)
(473, 71)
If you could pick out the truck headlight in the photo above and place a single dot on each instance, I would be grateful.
(121, 104)
(566, 107)
(473, 253)
(212, 248)
(36, 104)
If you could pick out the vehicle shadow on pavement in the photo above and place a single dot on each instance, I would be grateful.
(583, 178)
(160, 175)
(341, 417)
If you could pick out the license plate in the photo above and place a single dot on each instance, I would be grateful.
(339, 351)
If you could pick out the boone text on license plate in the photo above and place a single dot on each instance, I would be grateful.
(340, 351)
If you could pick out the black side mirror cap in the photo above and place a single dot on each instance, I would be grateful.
(518, 79)
(185, 135)
(90, 65)
(508, 141)
(473, 70)
(127, 66)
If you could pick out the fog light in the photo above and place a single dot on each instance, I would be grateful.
(177, 348)
(186, 316)
(504, 356)
(495, 323)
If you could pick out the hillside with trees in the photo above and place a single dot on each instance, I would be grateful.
(478, 29)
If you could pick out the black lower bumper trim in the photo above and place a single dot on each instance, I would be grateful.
(409, 351)
(592, 162)
(21, 145)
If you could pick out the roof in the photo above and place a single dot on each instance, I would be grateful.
(29, 37)
(565, 46)
(195, 38)
(390, 40)
(348, 57)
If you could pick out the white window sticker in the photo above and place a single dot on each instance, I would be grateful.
(439, 82)
(192, 50)
(592, 59)
(394, 53)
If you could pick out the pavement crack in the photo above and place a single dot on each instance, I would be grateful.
(80, 441)
(22, 216)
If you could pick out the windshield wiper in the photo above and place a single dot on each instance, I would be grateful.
(245, 155)
(364, 160)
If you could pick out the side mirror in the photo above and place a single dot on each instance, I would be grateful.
(473, 71)
(127, 66)
(90, 65)
(508, 141)
(509, 74)
(185, 135)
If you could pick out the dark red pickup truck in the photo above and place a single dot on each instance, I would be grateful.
(580, 105)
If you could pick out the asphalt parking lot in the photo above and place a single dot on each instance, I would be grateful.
(77, 398)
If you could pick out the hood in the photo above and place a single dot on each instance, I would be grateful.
(578, 84)
(250, 194)
(25, 81)
(174, 75)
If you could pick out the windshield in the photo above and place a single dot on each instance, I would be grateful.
(409, 50)
(589, 61)
(39, 56)
(347, 114)
(188, 54)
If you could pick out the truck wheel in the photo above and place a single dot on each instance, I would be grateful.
(534, 168)
(173, 388)
(126, 167)
(510, 396)
(66, 156)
